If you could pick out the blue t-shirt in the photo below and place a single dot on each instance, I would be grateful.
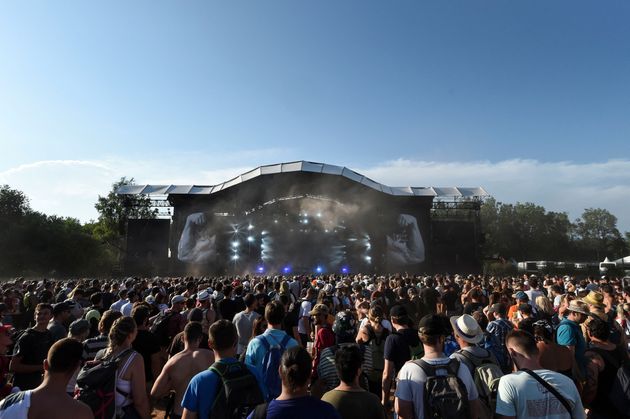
(570, 334)
(305, 407)
(204, 387)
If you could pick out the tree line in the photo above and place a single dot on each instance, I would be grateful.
(33, 243)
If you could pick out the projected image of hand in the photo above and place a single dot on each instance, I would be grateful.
(196, 244)
(406, 247)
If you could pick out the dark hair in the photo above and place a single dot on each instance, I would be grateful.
(295, 367)
(140, 314)
(249, 299)
(64, 356)
(193, 332)
(348, 360)
(598, 329)
(525, 308)
(429, 339)
(96, 298)
(44, 306)
(107, 320)
(121, 329)
(259, 326)
(274, 312)
(524, 341)
(222, 335)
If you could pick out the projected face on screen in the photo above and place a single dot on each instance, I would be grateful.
(198, 242)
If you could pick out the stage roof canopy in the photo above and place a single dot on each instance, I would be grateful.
(309, 167)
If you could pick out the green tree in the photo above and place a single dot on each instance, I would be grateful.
(114, 213)
(597, 234)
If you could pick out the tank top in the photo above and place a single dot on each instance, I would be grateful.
(123, 387)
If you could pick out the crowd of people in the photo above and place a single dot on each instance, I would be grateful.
(326, 346)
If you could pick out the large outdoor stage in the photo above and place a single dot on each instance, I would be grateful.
(304, 217)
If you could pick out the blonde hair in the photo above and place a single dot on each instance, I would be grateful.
(544, 304)
(120, 331)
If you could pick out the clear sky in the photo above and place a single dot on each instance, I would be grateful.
(530, 99)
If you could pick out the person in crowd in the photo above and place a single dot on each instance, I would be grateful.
(349, 398)
(291, 318)
(93, 345)
(325, 336)
(5, 342)
(521, 298)
(204, 302)
(373, 336)
(122, 300)
(131, 392)
(182, 367)
(497, 330)
(397, 349)
(532, 391)
(177, 344)
(294, 400)
(345, 329)
(31, 349)
(203, 389)
(244, 322)
(410, 399)
(569, 333)
(304, 324)
(553, 357)
(273, 337)
(430, 296)
(57, 325)
(146, 343)
(604, 359)
(49, 400)
(228, 307)
(132, 298)
(94, 312)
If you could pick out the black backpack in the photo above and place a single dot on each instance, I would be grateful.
(445, 396)
(239, 393)
(97, 386)
(160, 327)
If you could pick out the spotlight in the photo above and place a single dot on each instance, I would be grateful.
(250, 227)
(319, 269)
(368, 258)
(260, 269)
(235, 257)
(235, 244)
(319, 214)
(250, 239)
(286, 269)
(344, 270)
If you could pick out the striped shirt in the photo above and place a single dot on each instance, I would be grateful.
(93, 345)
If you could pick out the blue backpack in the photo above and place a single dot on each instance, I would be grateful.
(271, 363)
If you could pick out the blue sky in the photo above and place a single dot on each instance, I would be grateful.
(530, 99)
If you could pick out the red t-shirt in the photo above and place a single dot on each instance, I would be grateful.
(324, 339)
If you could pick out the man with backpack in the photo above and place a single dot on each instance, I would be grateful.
(533, 391)
(264, 351)
(228, 389)
(481, 363)
(435, 386)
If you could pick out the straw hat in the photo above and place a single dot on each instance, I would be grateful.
(594, 298)
(578, 306)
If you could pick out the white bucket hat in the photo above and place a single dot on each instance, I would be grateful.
(467, 328)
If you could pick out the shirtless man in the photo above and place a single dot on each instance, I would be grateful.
(182, 367)
(50, 400)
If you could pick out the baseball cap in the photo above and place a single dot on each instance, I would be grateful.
(203, 296)
(79, 326)
(60, 308)
(398, 311)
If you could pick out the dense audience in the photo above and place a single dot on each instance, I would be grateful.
(327, 346)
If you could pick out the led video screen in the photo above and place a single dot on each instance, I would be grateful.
(303, 234)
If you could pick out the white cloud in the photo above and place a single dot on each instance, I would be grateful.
(71, 187)
(558, 186)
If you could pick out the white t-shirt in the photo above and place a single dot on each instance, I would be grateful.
(305, 309)
(411, 381)
(385, 323)
(522, 396)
